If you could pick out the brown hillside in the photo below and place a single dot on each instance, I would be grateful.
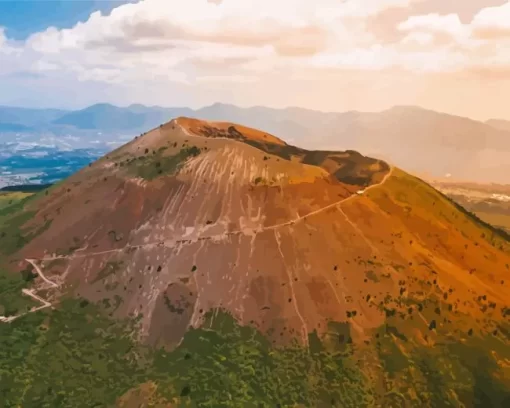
(197, 216)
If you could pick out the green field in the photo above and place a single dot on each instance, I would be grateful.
(11, 198)
(74, 356)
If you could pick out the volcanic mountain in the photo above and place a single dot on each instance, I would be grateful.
(200, 227)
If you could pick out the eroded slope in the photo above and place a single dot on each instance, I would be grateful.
(196, 219)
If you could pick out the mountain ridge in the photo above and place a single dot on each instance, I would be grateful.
(417, 139)
(499, 124)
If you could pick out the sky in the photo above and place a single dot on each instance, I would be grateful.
(330, 55)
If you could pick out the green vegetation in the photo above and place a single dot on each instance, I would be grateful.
(11, 198)
(259, 180)
(500, 221)
(353, 168)
(12, 301)
(71, 357)
(26, 188)
(432, 204)
(236, 366)
(74, 356)
(500, 233)
(450, 374)
(371, 275)
(151, 166)
(12, 219)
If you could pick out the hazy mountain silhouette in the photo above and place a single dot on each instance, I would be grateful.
(426, 142)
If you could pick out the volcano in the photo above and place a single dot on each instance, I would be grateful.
(208, 227)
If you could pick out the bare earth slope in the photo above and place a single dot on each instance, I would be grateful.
(179, 198)
(196, 217)
(422, 141)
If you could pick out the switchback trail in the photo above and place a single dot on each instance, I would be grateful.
(30, 292)
(39, 272)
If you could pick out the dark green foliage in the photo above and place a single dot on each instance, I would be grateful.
(392, 358)
(28, 275)
(283, 151)
(71, 357)
(315, 158)
(75, 357)
(176, 308)
(496, 232)
(13, 235)
(353, 168)
(371, 275)
(432, 325)
(12, 301)
(232, 366)
(150, 167)
(26, 188)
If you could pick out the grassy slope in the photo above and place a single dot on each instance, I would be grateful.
(12, 301)
(76, 357)
(13, 235)
(498, 220)
(11, 198)
(477, 199)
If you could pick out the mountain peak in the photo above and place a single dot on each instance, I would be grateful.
(239, 253)
(102, 106)
(225, 130)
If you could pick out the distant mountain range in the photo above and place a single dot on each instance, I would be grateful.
(429, 143)
(499, 124)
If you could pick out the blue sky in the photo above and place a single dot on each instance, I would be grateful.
(24, 17)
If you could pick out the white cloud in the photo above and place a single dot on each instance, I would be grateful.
(481, 43)
(289, 27)
(359, 8)
(202, 42)
(42, 66)
(492, 22)
(434, 23)
(226, 79)
(6, 46)
(171, 39)
(418, 38)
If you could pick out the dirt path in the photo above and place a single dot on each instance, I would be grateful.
(246, 231)
(39, 272)
(30, 292)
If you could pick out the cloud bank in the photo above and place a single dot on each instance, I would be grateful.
(180, 45)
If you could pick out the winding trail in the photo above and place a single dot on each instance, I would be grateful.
(31, 293)
(39, 272)
(245, 231)
(217, 237)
